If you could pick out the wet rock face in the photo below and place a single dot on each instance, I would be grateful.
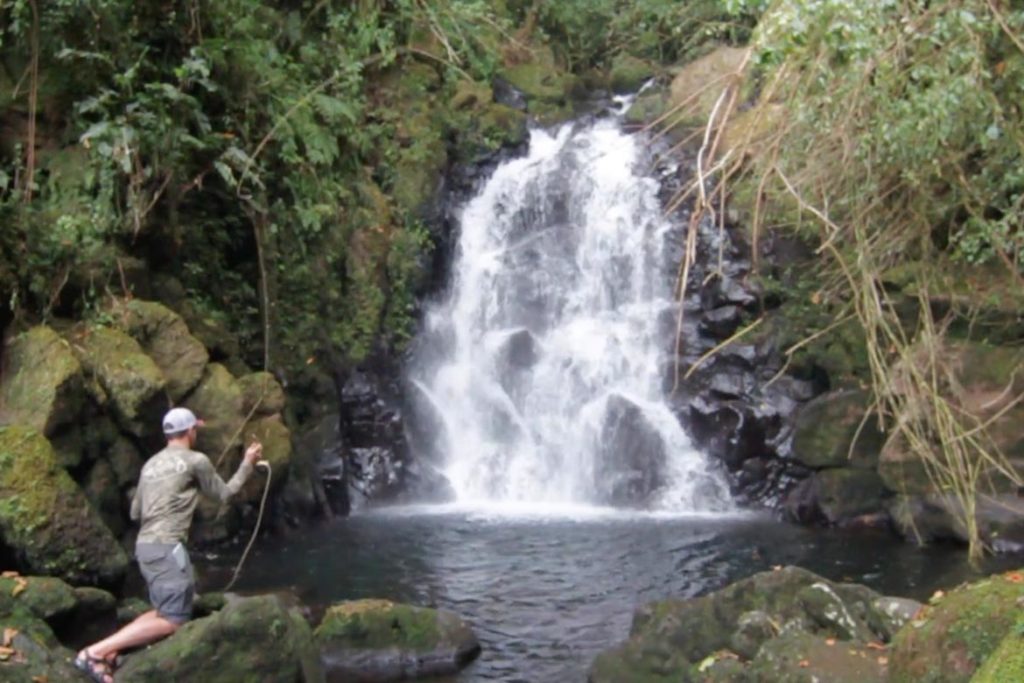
(632, 459)
(363, 457)
(736, 404)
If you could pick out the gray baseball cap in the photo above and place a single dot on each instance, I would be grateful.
(180, 420)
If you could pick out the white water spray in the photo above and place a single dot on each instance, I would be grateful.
(544, 367)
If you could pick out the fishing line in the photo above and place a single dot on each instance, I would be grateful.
(259, 520)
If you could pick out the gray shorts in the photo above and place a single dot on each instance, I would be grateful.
(170, 579)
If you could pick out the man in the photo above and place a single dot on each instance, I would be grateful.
(164, 501)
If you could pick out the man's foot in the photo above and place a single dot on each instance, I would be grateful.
(96, 668)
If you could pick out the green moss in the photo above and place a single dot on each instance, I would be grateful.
(954, 635)
(46, 519)
(1006, 663)
(827, 426)
(132, 382)
(45, 597)
(628, 73)
(42, 383)
(165, 338)
(218, 402)
(262, 391)
(380, 624)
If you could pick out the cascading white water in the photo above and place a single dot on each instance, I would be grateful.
(544, 367)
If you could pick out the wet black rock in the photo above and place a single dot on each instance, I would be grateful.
(632, 461)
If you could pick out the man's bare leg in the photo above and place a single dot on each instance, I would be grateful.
(146, 628)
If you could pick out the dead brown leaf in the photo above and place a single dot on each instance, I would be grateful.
(9, 634)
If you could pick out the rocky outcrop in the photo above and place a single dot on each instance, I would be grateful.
(252, 639)
(378, 641)
(632, 460)
(783, 625)
(46, 520)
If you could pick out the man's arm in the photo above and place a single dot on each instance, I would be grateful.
(214, 487)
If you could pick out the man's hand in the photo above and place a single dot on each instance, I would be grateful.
(253, 452)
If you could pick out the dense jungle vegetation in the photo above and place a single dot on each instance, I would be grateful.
(279, 159)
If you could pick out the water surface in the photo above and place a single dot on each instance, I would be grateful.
(547, 588)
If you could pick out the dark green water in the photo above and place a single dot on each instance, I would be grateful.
(547, 591)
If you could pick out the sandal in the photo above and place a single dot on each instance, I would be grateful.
(96, 668)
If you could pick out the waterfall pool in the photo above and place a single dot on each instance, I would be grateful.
(547, 588)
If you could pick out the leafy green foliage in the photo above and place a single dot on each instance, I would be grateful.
(241, 146)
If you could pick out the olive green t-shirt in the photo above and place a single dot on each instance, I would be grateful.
(169, 488)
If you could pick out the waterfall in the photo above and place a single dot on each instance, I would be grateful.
(543, 369)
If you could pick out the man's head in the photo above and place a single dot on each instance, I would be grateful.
(180, 424)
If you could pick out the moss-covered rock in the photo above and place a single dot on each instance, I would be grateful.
(42, 382)
(46, 519)
(125, 462)
(277, 450)
(251, 639)
(797, 657)
(950, 638)
(690, 640)
(1007, 662)
(132, 384)
(35, 654)
(548, 88)
(45, 597)
(838, 496)
(629, 73)
(698, 85)
(833, 430)
(261, 393)
(165, 337)
(218, 401)
(379, 640)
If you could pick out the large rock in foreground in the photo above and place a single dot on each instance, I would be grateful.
(950, 639)
(378, 640)
(252, 639)
(784, 625)
(45, 518)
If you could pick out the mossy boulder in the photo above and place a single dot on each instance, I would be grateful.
(629, 73)
(690, 640)
(132, 384)
(834, 430)
(698, 85)
(261, 393)
(165, 337)
(277, 451)
(45, 597)
(379, 640)
(35, 655)
(950, 638)
(251, 639)
(219, 402)
(837, 496)
(47, 520)
(42, 382)
(548, 88)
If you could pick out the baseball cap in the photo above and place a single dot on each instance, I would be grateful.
(180, 420)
